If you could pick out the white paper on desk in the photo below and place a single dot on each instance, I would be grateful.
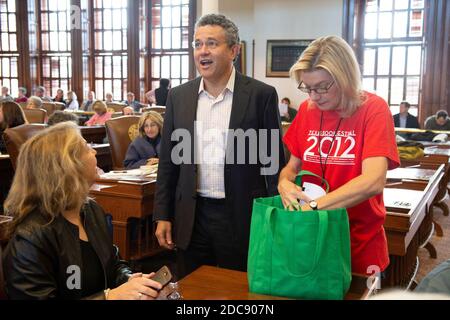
(313, 191)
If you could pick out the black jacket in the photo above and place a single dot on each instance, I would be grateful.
(411, 121)
(255, 106)
(39, 256)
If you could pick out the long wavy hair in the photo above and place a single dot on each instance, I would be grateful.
(49, 175)
(153, 116)
(333, 54)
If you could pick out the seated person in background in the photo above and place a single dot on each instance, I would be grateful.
(101, 115)
(132, 102)
(5, 95)
(22, 95)
(439, 121)
(87, 104)
(72, 101)
(34, 102)
(61, 116)
(109, 97)
(144, 150)
(404, 119)
(128, 111)
(11, 115)
(56, 227)
(59, 96)
(291, 112)
(159, 96)
(40, 92)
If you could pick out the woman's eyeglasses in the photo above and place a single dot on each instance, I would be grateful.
(319, 90)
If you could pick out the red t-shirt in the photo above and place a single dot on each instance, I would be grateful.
(369, 132)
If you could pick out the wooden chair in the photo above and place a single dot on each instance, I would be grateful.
(15, 137)
(115, 107)
(50, 107)
(159, 109)
(35, 115)
(60, 106)
(23, 105)
(121, 131)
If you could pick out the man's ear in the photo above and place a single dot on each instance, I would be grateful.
(236, 50)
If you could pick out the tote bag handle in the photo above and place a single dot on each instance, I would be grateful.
(298, 178)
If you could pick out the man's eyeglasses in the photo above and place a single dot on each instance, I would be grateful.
(319, 90)
(210, 44)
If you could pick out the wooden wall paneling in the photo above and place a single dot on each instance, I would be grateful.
(192, 20)
(23, 45)
(133, 48)
(77, 53)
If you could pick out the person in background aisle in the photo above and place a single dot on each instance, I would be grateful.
(5, 95)
(346, 136)
(60, 246)
(159, 96)
(109, 97)
(145, 149)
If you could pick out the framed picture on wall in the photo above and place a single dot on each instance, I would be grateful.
(239, 63)
(282, 54)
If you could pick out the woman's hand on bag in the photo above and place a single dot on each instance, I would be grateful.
(138, 287)
(291, 194)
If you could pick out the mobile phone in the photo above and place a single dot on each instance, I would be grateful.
(162, 276)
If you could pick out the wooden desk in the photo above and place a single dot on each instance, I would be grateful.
(94, 134)
(405, 229)
(211, 283)
(124, 200)
(414, 130)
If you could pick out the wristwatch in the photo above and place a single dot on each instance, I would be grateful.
(313, 204)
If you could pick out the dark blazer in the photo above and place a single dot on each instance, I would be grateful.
(411, 121)
(255, 106)
(139, 151)
(39, 254)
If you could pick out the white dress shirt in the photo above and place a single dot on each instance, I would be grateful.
(212, 124)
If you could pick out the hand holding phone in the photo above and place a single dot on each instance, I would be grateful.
(163, 276)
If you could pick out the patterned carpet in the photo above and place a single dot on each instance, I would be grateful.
(442, 245)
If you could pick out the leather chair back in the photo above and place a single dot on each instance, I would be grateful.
(50, 107)
(15, 137)
(35, 115)
(121, 131)
(59, 106)
(115, 107)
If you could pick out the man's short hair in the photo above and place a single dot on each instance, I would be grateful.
(406, 104)
(441, 114)
(231, 30)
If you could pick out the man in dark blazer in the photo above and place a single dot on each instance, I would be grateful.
(203, 207)
(404, 119)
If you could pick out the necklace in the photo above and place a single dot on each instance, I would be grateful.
(324, 166)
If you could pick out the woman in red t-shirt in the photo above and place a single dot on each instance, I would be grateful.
(346, 136)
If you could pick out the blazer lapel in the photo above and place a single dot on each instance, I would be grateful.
(190, 106)
(240, 101)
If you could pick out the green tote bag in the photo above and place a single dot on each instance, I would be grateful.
(304, 255)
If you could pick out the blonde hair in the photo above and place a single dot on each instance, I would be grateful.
(49, 175)
(153, 116)
(333, 54)
(99, 106)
